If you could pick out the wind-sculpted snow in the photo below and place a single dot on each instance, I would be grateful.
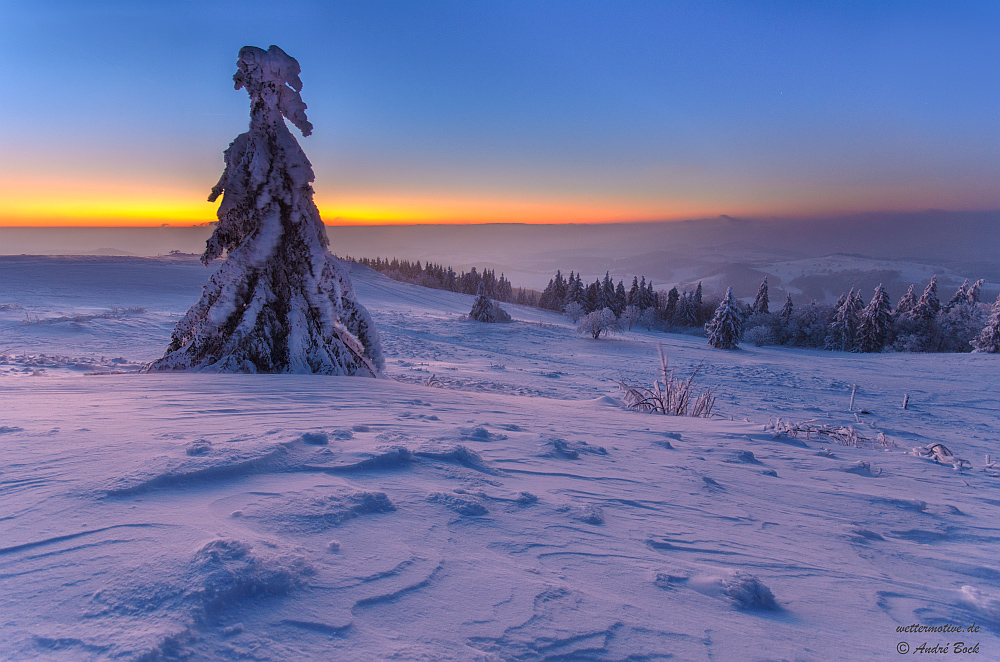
(277, 517)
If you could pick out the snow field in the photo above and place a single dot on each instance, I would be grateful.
(514, 513)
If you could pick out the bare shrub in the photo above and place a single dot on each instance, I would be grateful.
(845, 435)
(670, 395)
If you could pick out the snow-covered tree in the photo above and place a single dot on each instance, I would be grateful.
(874, 323)
(280, 302)
(905, 304)
(958, 327)
(917, 330)
(788, 309)
(630, 316)
(620, 300)
(673, 296)
(973, 291)
(928, 304)
(726, 327)
(960, 296)
(842, 334)
(598, 322)
(485, 309)
(988, 339)
(574, 311)
(760, 301)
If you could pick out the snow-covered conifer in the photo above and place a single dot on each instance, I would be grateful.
(760, 302)
(726, 327)
(671, 308)
(928, 304)
(633, 292)
(620, 300)
(787, 310)
(972, 292)
(874, 323)
(959, 296)
(842, 334)
(906, 303)
(280, 302)
(484, 309)
(988, 339)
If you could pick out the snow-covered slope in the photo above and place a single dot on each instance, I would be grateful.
(511, 512)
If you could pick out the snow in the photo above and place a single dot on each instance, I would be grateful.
(513, 511)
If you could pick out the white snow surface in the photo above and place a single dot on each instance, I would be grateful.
(514, 511)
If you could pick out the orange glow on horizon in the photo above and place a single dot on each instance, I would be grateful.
(62, 202)
(128, 207)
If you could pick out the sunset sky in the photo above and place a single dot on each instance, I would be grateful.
(117, 113)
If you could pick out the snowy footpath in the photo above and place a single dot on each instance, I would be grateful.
(491, 500)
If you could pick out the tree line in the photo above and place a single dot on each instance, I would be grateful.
(915, 324)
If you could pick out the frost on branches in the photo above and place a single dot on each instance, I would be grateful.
(281, 303)
(988, 339)
(726, 327)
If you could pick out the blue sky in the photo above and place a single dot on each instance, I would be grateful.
(523, 111)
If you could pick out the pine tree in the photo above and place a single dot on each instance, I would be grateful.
(960, 296)
(726, 327)
(905, 304)
(633, 293)
(988, 339)
(972, 293)
(485, 309)
(787, 310)
(875, 323)
(621, 299)
(671, 308)
(760, 302)
(928, 304)
(843, 331)
(280, 302)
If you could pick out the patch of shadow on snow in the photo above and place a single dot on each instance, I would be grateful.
(459, 454)
(526, 499)
(986, 605)
(480, 433)
(921, 536)
(862, 468)
(912, 505)
(864, 536)
(228, 573)
(571, 450)
(712, 484)
(200, 470)
(198, 447)
(749, 594)
(312, 512)
(319, 438)
(463, 504)
(391, 458)
(672, 579)
(743, 457)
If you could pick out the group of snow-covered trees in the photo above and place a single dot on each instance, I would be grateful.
(440, 277)
(915, 324)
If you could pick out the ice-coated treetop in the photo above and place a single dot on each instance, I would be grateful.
(271, 78)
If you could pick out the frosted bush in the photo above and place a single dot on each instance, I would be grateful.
(759, 335)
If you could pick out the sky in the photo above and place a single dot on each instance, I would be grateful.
(117, 113)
